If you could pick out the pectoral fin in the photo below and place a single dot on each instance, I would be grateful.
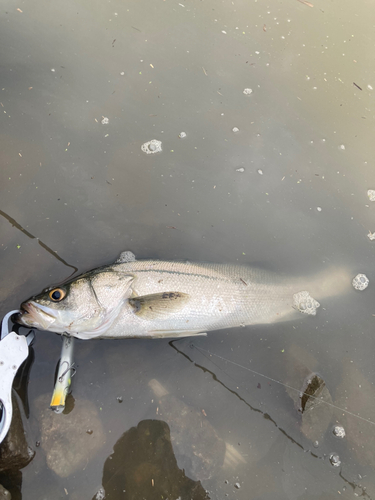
(158, 305)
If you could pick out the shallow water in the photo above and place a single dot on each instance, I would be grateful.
(287, 191)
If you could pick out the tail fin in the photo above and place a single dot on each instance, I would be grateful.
(330, 283)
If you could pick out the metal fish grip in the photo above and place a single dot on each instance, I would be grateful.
(14, 349)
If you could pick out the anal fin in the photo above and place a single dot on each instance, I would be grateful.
(173, 334)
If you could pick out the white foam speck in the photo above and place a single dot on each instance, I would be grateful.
(360, 282)
(339, 431)
(152, 147)
(126, 256)
(303, 302)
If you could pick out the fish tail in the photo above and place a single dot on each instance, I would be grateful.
(330, 283)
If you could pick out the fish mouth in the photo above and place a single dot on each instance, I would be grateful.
(22, 316)
(34, 315)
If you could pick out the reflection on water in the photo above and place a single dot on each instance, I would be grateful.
(199, 449)
(143, 465)
(17, 449)
(71, 439)
(281, 177)
(314, 423)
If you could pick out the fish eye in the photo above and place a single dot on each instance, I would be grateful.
(57, 294)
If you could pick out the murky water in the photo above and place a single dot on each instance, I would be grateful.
(83, 87)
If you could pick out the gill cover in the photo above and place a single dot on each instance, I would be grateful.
(111, 290)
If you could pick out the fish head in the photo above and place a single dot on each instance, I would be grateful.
(84, 307)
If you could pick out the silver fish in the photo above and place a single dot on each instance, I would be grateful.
(155, 299)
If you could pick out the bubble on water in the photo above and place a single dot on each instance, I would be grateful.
(105, 120)
(151, 147)
(122, 73)
(360, 282)
(260, 171)
(235, 129)
(126, 256)
(342, 147)
(237, 485)
(241, 169)
(182, 135)
(319, 209)
(371, 194)
(247, 91)
(53, 70)
(305, 303)
(100, 494)
(335, 460)
(339, 431)
(369, 87)
(371, 236)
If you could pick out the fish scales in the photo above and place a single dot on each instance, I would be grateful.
(221, 296)
(151, 298)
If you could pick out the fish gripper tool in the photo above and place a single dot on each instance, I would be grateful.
(14, 349)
